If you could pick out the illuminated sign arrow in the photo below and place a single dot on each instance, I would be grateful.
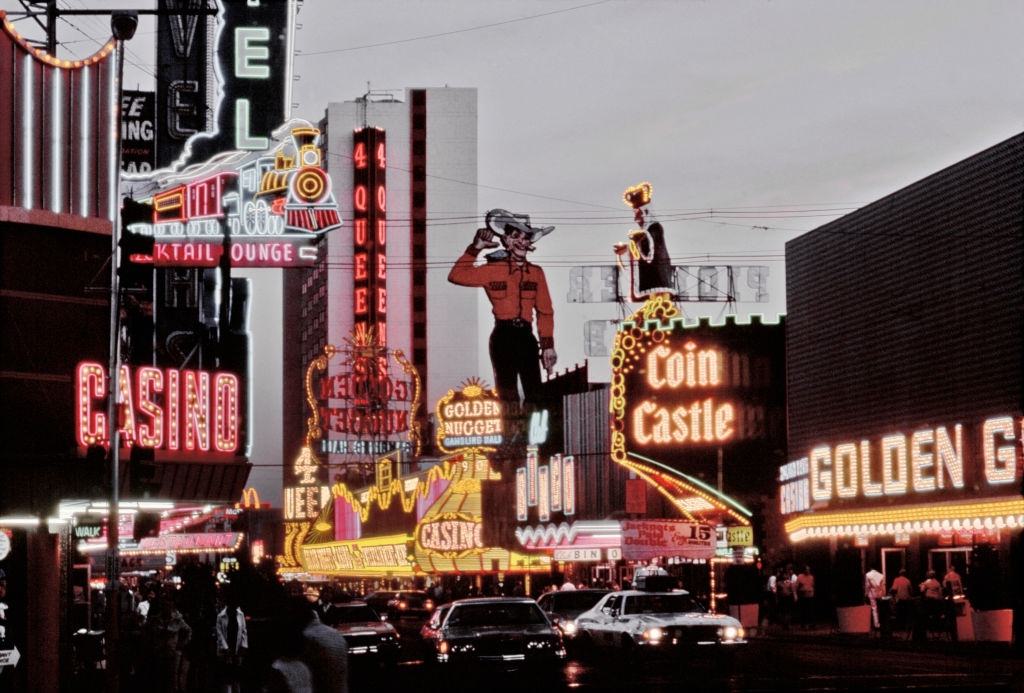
(9, 658)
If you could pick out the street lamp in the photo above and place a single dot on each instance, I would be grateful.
(122, 25)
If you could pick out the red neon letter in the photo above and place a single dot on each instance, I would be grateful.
(359, 198)
(92, 425)
(226, 408)
(197, 410)
(151, 380)
(360, 266)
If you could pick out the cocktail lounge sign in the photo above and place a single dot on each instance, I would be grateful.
(255, 188)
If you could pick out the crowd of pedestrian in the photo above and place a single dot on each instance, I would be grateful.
(790, 599)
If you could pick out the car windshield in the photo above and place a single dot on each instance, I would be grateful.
(496, 614)
(575, 602)
(350, 614)
(661, 604)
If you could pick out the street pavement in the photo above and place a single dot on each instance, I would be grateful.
(793, 661)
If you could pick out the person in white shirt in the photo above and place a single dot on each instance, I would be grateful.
(874, 589)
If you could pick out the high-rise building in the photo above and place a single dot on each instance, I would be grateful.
(407, 216)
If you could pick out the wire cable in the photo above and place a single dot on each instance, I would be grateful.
(479, 27)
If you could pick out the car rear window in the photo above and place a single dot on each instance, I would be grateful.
(576, 601)
(511, 614)
(350, 614)
(661, 604)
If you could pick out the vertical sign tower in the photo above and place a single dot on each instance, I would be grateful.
(369, 232)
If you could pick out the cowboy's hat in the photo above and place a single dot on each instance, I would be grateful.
(501, 221)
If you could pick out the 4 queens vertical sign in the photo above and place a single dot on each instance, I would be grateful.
(138, 127)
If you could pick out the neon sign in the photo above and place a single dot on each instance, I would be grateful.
(927, 460)
(369, 231)
(471, 416)
(273, 206)
(168, 409)
(379, 402)
(452, 535)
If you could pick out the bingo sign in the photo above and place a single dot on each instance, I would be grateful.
(138, 125)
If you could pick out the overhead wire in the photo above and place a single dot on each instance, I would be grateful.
(464, 30)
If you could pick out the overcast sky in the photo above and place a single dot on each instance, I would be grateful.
(782, 105)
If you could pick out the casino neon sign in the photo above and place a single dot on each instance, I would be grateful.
(161, 408)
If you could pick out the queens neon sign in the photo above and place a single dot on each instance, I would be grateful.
(161, 408)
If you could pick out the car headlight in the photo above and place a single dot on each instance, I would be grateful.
(538, 644)
(464, 648)
(730, 633)
(653, 634)
(568, 627)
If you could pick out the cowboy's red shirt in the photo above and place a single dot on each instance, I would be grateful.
(516, 291)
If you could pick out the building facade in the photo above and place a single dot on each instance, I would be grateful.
(426, 171)
(904, 353)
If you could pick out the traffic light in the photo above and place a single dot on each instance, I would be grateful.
(97, 475)
(145, 525)
(136, 267)
(142, 473)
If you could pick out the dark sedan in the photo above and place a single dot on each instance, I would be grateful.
(503, 633)
(408, 610)
(367, 636)
(562, 607)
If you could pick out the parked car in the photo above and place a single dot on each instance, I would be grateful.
(564, 607)
(637, 622)
(504, 633)
(368, 637)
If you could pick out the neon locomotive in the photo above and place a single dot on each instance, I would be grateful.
(274, 205)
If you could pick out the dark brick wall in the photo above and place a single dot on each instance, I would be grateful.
(909, 311)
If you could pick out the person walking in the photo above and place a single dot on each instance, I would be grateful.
(805, 596)
(232, 643)
(902, 595)
(323, 649)
(874, 589)
(786, 586)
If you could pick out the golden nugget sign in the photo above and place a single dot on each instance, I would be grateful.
(471, 416)
(927, 461)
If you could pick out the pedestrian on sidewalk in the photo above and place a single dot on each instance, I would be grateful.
(232, 643)
(874, 589)
(805, 596)
(786, 585)
(903, 598)
(952, 585)
(324, 649)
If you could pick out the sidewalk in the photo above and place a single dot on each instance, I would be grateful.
(898, 641)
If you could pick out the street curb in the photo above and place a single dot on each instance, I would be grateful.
(989, 650)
